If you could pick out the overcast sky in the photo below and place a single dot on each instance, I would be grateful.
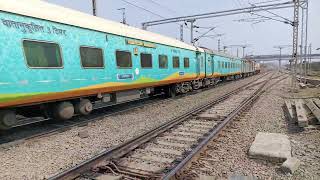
(262, 37)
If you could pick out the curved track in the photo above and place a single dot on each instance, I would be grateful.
(163, 152)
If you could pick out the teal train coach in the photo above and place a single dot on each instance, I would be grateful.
(56, 62)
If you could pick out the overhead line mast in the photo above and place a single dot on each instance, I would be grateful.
(94, 7)
(295, 45)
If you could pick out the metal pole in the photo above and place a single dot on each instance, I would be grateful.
(310, 59)
(237, 52)
(191, 33)
(243, 52)
(280, 59)
(301, 46)
(94, 7)
(181, 32)
(306, 40)
(124, 19)
(219, 44)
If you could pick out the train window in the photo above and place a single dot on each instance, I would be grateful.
(42, 54)
(226, 65)
(123, 59)
(186, 62)
(163, 62)
(91, 57)
(176, 62)
(146, 60)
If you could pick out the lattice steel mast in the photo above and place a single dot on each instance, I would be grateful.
(295, 45)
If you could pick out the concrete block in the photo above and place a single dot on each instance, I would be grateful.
(313, 108)
(271, 146)
(301, 113)
(290, 111)
(290, 165)
(317, 102)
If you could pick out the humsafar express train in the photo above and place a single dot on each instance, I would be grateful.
(56, 62)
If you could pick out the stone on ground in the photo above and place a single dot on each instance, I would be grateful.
(271, 146)
(290, 165)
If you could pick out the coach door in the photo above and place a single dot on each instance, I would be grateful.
(200, 65)
(209, 65)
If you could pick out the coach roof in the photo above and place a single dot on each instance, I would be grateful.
(43, 10)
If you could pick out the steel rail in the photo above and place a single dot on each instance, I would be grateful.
(173, 172)
(61, 127)
(107, 156)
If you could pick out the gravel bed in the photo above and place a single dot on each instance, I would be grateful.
(227, 155)
(49, 155)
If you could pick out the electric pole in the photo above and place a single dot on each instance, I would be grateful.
(94, 7)
(243, 51)
(123, 10)
(280, 49)
(181, 33)
(295, 45)
(219, 41)
(192, 27)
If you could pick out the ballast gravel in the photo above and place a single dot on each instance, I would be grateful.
(227, 156)
(44, 157)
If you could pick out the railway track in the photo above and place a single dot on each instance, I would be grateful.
(47, 128)
(163, 152)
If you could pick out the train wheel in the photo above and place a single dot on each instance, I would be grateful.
(83, 107)
(63, 111)
(7, 119)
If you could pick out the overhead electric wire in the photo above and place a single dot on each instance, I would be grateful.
(142, 8)
(162, 6)
(286, 22)
(271, 13)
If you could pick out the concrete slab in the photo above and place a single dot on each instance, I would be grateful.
(108, 177)
(152, 158)
(289, 111)
(271, 146)
(313, 108)
(317, 102)
(184, 133)
(165, 151)
(171, 144)
(209, 116)
(181, 139)
(301, 113)
(290, 165)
